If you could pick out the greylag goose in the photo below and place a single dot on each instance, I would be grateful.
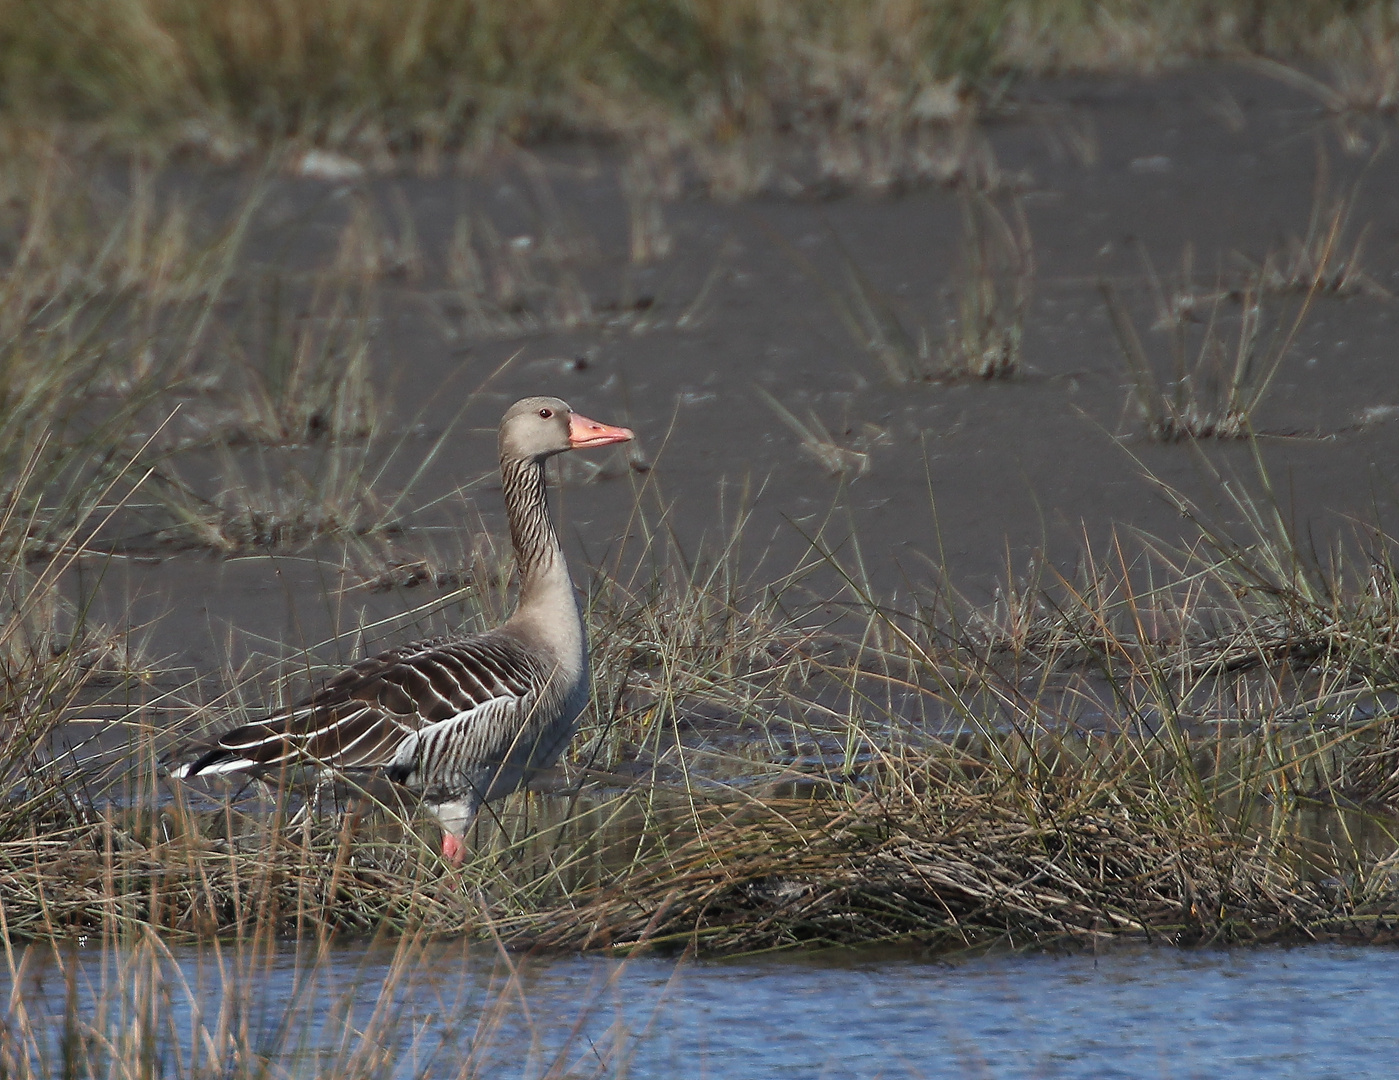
(463, 720)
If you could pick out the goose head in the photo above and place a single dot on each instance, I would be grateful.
(539, 427)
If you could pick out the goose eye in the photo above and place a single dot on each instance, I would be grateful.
(546, 413)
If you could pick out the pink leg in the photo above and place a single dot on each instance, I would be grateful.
(453, 848)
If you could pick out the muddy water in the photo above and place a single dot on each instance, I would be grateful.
(1308, 1012)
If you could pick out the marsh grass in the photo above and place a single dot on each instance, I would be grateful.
(1119, 36)
(450, 81)
(874, 91)
(1222, 365)
(372, 247)
(1327, 257)
(993, 291)
(514, 286)
(1364, 80)
(308, 376)
(105, 302)
(991, 296)
(130, 1005)
(1187, 745)
(138, 348)
(120, 231)
(266, 499)
(647, 181)
(1182, 744)
(556, 276)
(818, 443)
(114, 313)
(277, 498)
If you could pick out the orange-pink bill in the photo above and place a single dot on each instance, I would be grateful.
(584, 432)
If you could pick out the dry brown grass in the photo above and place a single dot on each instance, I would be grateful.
(756, 95)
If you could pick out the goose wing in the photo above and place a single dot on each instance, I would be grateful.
(361, 718)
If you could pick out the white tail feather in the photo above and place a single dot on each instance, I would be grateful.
(219, 767)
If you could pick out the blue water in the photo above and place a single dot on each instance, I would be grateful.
(1312, 1012)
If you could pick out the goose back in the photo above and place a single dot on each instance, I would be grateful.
(467, 716)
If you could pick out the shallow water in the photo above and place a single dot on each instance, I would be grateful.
(1318, 1011)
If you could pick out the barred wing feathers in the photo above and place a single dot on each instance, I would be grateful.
(366, 715)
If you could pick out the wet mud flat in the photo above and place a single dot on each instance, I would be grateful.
(962, 481)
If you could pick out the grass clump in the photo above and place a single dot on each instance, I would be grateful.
(993, 292)
(1216, 382)
(1324, 259)
(308, 377)
(553, 277)
(1227, 344)
(992, 295)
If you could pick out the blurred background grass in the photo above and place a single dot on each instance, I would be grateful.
(424, 74)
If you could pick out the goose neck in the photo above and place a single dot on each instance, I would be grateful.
(537, 549)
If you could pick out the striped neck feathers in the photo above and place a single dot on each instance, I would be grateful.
(547, 614)
(537, 548)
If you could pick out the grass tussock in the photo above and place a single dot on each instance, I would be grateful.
(1228, 343)
(307, 377)
(1226, 347)
(1328, 256)
(991, 295)
(993, 291)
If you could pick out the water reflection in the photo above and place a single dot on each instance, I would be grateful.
(454, 1009)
